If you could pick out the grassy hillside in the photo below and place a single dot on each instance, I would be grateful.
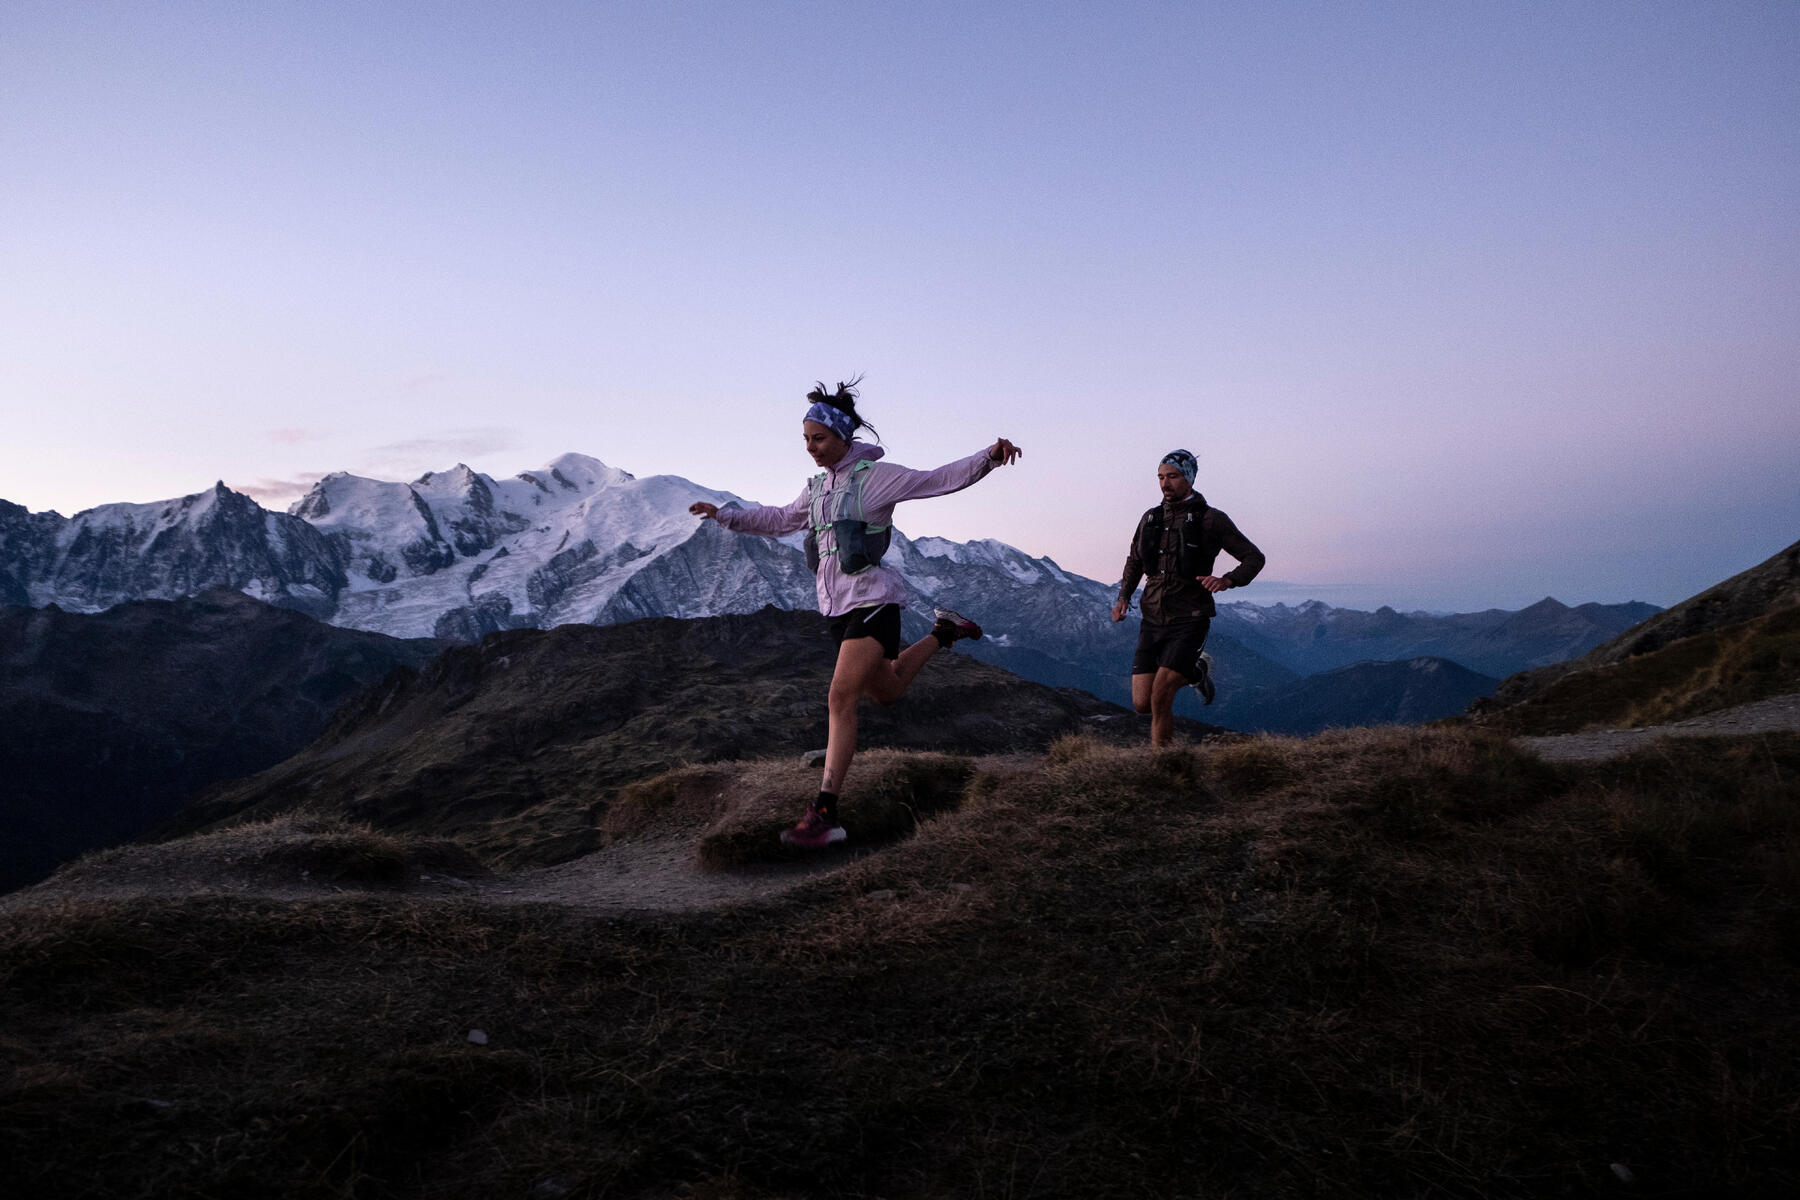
(515, 747)
(1380, 963)
(1739, 663)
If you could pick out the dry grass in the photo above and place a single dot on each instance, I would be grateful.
(1380, 963)
(891, 792)
(288, 849)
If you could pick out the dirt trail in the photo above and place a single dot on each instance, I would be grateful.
(652, 874)
(1774, 715)
(656, 874)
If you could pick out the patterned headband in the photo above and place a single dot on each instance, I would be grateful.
(834, 419)
(1184, 462)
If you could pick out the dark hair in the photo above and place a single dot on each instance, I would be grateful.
(844, 400)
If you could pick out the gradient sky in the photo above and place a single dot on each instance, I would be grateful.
(1461, 305)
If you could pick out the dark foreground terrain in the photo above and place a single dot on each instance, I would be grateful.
(1387, 963)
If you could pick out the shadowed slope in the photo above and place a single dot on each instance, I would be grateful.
(110, 721)
(515, 746)
(1751, 660)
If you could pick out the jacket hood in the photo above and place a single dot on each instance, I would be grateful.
(857, 453)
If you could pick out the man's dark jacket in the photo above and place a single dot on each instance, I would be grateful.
(1176, 557)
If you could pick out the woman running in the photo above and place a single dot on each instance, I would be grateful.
(848, 513)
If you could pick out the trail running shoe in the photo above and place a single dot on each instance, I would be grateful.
(955, 624)
(1203, 682)
(814, 832)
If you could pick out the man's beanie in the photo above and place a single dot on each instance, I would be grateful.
(1184, 462)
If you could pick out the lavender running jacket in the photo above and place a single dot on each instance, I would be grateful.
(886, 485)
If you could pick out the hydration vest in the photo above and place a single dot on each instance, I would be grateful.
(1192, 561)
(857, 544)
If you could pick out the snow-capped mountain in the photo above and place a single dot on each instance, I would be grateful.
(166, 550)
(459, 554)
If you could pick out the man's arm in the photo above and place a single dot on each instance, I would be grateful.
(1234, 543)
(1134, 571)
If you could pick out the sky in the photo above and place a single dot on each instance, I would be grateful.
(1460, 305)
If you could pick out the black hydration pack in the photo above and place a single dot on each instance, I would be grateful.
(1192, 561)
(857, 544)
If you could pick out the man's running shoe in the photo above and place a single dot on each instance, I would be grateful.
(954, 624)
(814, 832)
(1203, 682)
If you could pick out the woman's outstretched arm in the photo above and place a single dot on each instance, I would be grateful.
(890, 483)
(769, 522)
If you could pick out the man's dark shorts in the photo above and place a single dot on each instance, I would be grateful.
(881, 623)
(1176, 646)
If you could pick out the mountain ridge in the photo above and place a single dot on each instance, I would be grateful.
(458, 555)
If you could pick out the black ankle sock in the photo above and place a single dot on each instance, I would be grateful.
(944, 635)
(827, 805)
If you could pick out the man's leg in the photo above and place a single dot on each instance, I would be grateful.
(1163, 689)
(1140, 690)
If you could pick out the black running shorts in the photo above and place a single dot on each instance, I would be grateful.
(881, 623)
(1176, 646)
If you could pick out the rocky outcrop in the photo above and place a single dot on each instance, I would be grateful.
(474, 522)
(27, 548)
(491, 612)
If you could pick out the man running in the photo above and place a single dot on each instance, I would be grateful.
(1175, 545)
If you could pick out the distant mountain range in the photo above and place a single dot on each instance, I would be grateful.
(1358, 668)
(458, 554)
(1315, 637)
(1409, 692)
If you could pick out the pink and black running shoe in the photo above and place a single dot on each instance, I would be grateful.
(814, 832)
(957, 626)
